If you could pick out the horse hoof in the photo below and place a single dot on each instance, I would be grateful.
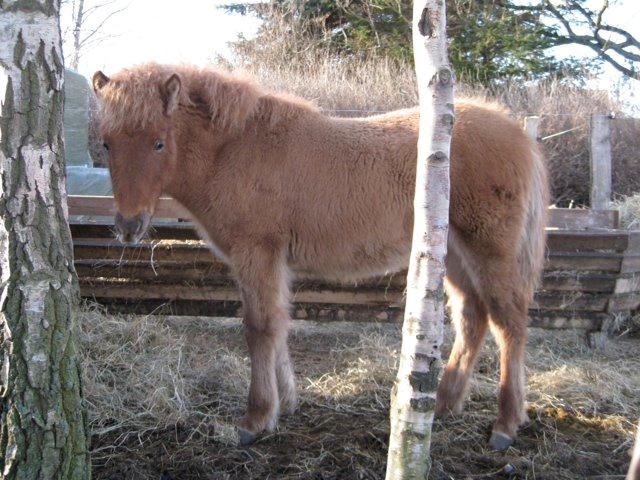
(444, 413)
(500, 441)
(245, 437)
(289, 406)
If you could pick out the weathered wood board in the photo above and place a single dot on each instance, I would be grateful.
(589, 274)
(561, 218)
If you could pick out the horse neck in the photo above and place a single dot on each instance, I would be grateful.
(201, 146)
(197, 144)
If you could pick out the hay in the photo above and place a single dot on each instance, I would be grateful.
(629, 208)
(163, 393)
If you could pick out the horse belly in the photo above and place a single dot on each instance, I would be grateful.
(352, 262)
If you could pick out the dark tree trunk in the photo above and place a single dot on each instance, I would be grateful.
(43, 421)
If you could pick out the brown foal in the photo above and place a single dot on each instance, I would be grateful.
(279, 189)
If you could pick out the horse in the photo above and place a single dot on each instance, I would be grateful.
(280, 189)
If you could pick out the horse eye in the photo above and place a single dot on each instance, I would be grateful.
(106, 147)
(159, 145)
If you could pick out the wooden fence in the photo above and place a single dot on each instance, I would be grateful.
(590, 273)
(600, 164)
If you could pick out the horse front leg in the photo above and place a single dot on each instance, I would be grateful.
(262, 403)
(286, 380)
(262, 277)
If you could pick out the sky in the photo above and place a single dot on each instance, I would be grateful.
(197, 31)
(626, 15)
(191, 31)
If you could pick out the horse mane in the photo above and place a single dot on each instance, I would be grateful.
(132, 100)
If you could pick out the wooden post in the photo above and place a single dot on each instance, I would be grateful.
(634, 468)
(413, 399)
(600, 162)
(531, 125)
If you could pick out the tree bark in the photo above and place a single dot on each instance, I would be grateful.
(77, 30)
(43, 421)
(413, 397)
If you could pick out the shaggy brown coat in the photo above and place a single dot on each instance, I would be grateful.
(279, 189)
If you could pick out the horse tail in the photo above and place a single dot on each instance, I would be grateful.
(531, 252)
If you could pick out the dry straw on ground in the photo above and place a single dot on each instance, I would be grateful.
(629, 208)
(163, 393)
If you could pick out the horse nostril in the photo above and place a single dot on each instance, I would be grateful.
(131, 228)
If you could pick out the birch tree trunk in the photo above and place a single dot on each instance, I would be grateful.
(413, 396)
(43, 422)
(77, 31)
(634, 468)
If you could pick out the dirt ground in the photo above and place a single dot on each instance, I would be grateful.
(163, 393)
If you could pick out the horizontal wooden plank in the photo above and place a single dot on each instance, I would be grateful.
(578, 281)
(571, 301)
(627, 283)
(196, 252)
(587, 240)
(630, 263)
(567, 320)
(160, 272)
(579, 218)
(130, 290)
(327, 313)
(105, 206)
(584, 261)
(81, 228)
(565, 218)
(624, 302)
(217, 273)
(103, 249)
(557, 240)
(104, 288)
(356, 313)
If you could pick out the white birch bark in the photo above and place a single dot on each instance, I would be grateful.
(77, 31)
(413, 397)
(43, 421)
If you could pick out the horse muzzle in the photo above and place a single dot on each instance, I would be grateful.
(132, 229)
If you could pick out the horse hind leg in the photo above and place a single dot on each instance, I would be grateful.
(469, 317)
(507, 304)
(510, 334)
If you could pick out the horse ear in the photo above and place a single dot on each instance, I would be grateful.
(99, 80)
(170, 93)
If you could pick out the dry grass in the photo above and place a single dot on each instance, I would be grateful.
(629, 208)
(164, 391)
(285, 60)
